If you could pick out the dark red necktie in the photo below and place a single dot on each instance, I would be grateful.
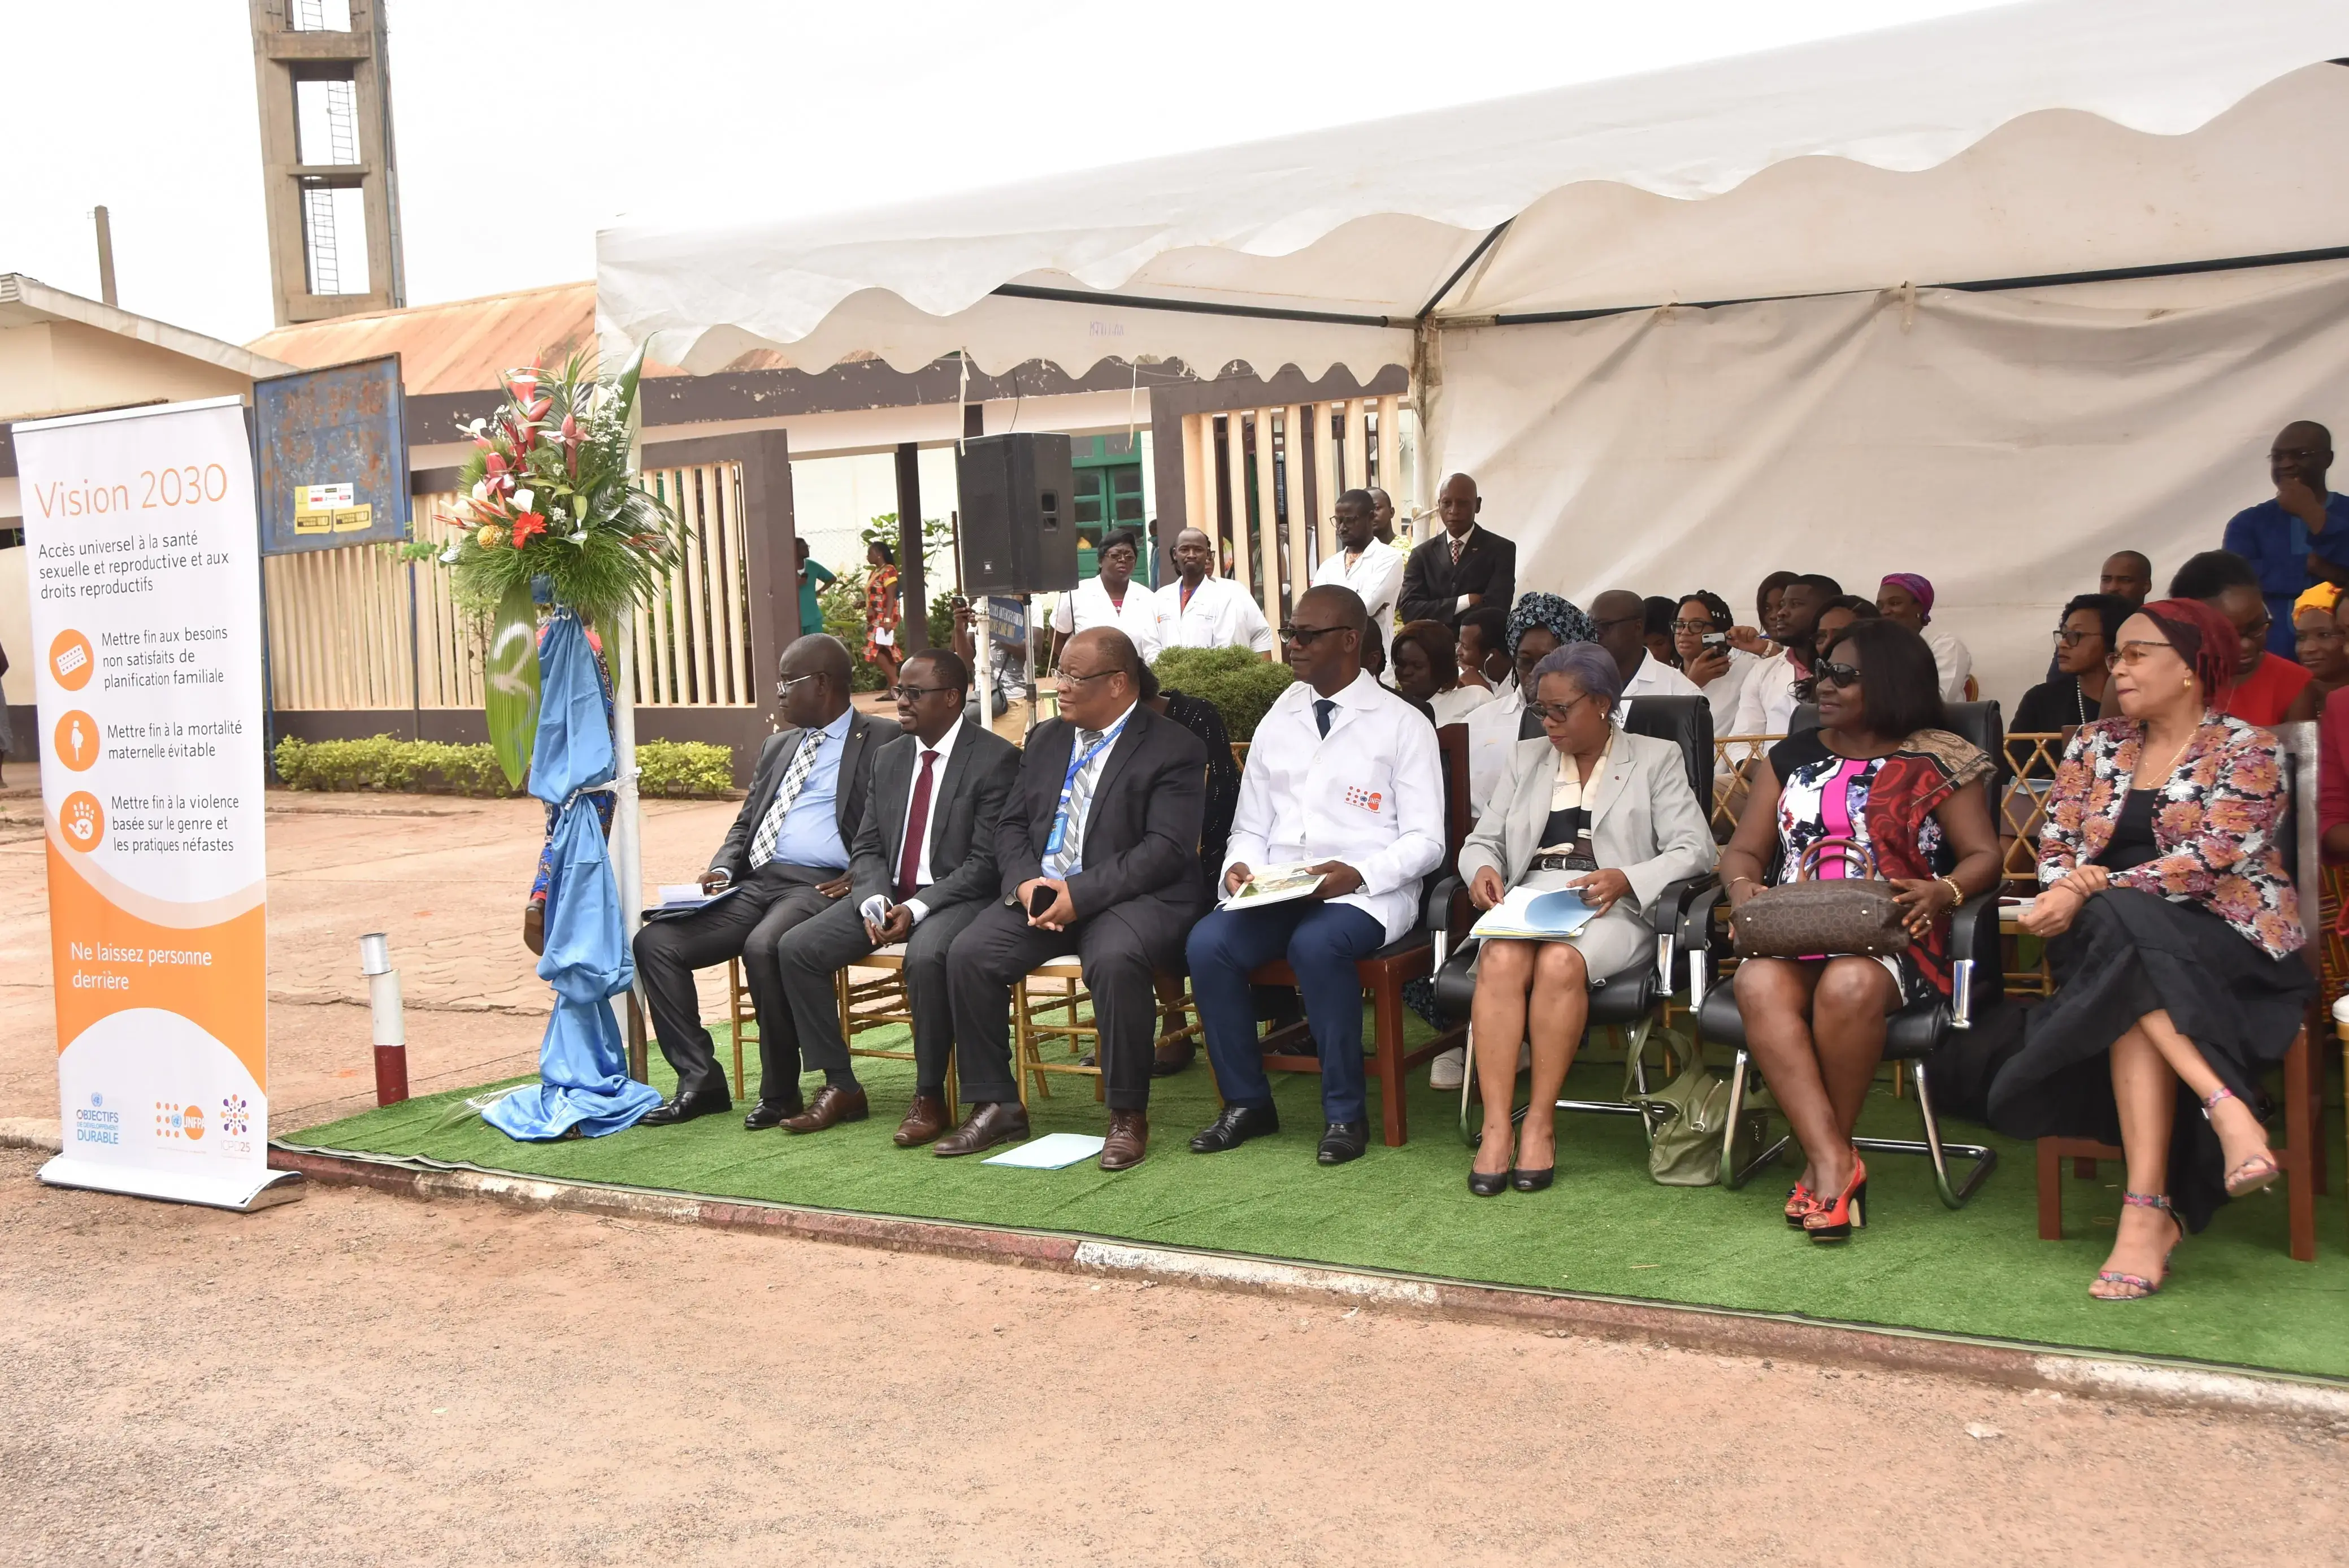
(917, 824)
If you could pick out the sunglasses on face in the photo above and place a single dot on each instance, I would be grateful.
(1826, 673)
(1303, 637)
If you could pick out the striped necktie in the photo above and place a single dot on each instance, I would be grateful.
(762, 847)
(1064, 860)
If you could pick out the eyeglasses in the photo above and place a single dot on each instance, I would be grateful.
(1619, 620)
(1556, 712)
(1303, 637)
(2065, 638)
(916, 693)
(1826, 673)
(2297, 454)
(1072, 677)
(2132, 655)
(2256, 632)
(1696, 628)
(783, 687)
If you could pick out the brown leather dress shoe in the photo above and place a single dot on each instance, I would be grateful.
(990, 1122)
(829, 1108)
(1128, 1141)
(925, 1118)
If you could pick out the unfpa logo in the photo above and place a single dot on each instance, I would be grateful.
(1368, 800)
(180, 1121)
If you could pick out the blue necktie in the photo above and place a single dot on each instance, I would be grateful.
(1322, 708)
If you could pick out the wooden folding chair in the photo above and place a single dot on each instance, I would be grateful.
(879, 1002)
(1054, 1017)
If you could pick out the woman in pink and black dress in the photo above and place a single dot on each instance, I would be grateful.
(1883, 769)
(2175, 943)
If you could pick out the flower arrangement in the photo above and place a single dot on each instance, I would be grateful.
(547, 492)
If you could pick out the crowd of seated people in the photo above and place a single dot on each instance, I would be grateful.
(1118, 834)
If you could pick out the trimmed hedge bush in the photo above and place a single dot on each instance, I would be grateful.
(1239, 681)
(671, 768)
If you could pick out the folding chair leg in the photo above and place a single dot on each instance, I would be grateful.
(2051, 1191)
(1471, 1136)
(1986, 1158)
(1731, 1176)
(1388, 1016)
(2301, 1157)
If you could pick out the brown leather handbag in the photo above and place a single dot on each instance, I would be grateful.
(1808, 918)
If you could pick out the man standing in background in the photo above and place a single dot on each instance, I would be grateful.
(1461, 568)
(1200, 611)
(1383, 516)
(2299, 536)
(1361, 562)
(2127, 574)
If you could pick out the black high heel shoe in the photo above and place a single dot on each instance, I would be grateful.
(1532, 1181)
(1489, 1183)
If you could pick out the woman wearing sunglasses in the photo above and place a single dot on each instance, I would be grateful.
(2174, 930)
(1882, 768)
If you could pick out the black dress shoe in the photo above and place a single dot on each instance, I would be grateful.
(1532, 1181)
(770, 1113)
(1343, 1140)
(1237, 1124)
(1489, 1183)
(685, 1107)
(1171, 1059)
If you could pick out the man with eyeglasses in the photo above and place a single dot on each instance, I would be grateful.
(784, 860)
(1201, 610)
(1618, 624)
(921, 870)
(1372, 570)
(1342, 777)
(1097, 855)
(2302, 535)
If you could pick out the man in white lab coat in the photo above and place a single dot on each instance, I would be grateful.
(1111, 598)
(1342, 777)
(1200, 611)
(1372, 570)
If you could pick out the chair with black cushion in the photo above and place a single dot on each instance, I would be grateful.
(2303, 1152)
(1628, 1000)
(1911, 1035)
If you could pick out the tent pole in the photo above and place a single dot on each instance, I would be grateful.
(627, 836)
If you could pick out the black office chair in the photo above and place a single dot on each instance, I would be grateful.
(1912, 1034)
(1626, 1001)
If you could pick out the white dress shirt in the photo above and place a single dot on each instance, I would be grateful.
(1375, 576)
(1492, 735)
(1724, 690)
(1767, 705)
(1653, 678)
(923, 873)
(1221, 614)
(1370, 793)
(1454, 706)
(1953, 660)
(1088, 606)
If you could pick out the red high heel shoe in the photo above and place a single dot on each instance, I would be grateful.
(1836, 1222)
(1800, 1200)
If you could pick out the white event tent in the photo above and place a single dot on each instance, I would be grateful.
(1984, 298)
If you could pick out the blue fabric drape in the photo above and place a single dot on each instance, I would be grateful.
(584, 1085)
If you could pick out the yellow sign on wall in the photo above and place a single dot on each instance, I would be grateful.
(330, 508)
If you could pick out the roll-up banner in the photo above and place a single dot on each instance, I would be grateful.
(146, 599)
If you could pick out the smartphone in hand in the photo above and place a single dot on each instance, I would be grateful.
(1041, 898)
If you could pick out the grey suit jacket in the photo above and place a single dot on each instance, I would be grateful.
(733, 856)
(1649, 825)
(965, 804)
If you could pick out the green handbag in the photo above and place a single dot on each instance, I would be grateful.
(1685, 1119)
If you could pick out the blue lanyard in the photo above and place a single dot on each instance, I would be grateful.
(1069, 783)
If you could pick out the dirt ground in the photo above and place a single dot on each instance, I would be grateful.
(362, 1379)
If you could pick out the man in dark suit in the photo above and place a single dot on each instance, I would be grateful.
(923, 867)
(1462, 567)
(1104, 821)
(784, 860)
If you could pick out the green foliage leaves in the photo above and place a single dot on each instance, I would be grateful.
(677, 768)
(1240, 681)
(509, 681)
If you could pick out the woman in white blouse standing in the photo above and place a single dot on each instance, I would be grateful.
(1111, 598)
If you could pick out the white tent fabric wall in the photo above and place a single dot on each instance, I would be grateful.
(2001, 444)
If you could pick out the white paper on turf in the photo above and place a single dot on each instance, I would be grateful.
(1527, 914)
(1050, 1152)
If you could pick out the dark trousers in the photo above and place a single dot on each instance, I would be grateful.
(748, 924)
(1322, 942)
(816, 951)
(1119, 948)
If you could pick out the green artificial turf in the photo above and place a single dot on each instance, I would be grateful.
(2236, 1297)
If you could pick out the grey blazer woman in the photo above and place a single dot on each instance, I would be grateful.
(1647, 824)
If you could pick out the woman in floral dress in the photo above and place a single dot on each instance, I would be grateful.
(880, 614)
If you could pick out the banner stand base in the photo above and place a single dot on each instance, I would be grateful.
(241, 1193)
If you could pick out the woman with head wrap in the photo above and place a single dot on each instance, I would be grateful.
(2175, 941)
(1907, 599)
(2317, 642)
(1540, 625)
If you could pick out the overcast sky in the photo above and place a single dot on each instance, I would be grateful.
(522, 127)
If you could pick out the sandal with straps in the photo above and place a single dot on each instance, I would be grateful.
(2139, 1286)
(2252, 1175)
(1800, 1200)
